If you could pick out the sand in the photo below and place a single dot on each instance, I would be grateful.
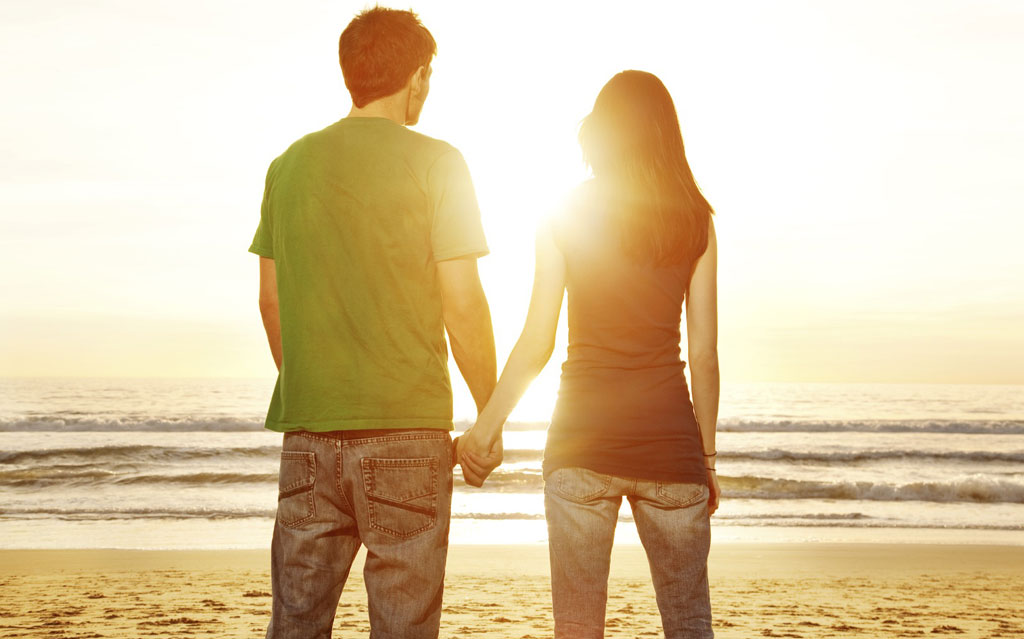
(774, 590)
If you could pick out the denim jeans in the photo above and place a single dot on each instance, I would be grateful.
(392, 493)
(582, 508)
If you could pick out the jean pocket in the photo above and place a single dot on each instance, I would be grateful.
(579, 485)
(295, 505)
(401, 494)
(681, 494)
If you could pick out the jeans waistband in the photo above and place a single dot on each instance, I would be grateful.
(374, 432)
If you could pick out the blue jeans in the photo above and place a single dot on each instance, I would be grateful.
(582, 508)
(388, 491)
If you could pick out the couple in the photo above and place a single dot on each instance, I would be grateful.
(368, 239)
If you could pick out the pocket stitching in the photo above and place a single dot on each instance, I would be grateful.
(664, 494)
(371, 463)
(306, 484)
(606, 481)
(370, 486)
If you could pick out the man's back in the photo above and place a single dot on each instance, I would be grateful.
(355, 217)
(367, 239)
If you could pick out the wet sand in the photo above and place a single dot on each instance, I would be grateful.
(775, 590)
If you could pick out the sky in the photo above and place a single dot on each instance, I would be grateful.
(863, 158)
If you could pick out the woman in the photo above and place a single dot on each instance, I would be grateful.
(632, 244)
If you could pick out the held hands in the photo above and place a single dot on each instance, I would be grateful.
(479, 455)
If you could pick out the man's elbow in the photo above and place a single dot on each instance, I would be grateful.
(268, 306)
(465, 311)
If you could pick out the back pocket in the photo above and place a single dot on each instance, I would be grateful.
(579, 485)
(401, 494)
(681, 494)
(295, 505)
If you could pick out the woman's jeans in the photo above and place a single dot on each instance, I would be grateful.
(582, 508)
(390, 491)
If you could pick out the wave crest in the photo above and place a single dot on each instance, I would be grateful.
(200, 423)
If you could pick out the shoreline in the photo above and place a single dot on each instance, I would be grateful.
(255, 533)
(524, 558)
(806, 590)
(875, 556)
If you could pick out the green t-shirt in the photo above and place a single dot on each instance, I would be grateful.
(355, 217)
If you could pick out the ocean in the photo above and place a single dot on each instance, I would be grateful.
(182, 464)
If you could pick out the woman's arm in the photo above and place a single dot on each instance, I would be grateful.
(702, 347)
(531, 353)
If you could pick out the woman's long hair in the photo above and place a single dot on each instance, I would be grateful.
(633, 144)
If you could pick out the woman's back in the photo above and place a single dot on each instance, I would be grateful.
(623, 405)
(624, 424)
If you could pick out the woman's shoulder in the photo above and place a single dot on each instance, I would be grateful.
(577, 204)
(585, 195)
(577, 220)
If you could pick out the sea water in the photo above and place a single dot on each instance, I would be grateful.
(120, 463)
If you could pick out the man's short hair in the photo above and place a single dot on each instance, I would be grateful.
(380, 49)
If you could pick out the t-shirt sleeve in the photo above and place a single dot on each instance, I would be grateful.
(456, 230)
(263, 240)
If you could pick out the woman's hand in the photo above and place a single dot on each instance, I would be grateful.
(714, 491)
(479, 450)
(478, 456)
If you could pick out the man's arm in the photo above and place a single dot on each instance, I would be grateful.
(467, 318)
(269, 307)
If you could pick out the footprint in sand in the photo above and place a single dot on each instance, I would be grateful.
(184, 621)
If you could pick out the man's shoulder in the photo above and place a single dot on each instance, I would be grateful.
(431, 147)
(298, 146)
(290, 151)
(425, 149)
(311, 139)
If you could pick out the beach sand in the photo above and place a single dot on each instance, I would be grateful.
(774, 590)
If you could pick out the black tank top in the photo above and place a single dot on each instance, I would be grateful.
(623, 405)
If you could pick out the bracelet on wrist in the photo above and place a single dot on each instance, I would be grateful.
(711, 469)
(711, 454)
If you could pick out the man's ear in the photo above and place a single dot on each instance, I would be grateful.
(419, 77)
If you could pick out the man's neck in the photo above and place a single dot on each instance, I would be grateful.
(392, 107)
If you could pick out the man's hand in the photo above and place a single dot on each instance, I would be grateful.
(715, 492)
(478, 457)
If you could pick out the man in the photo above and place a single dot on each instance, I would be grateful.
(368, 239)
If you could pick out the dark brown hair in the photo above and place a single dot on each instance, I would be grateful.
(380, 49)
(633, 144)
